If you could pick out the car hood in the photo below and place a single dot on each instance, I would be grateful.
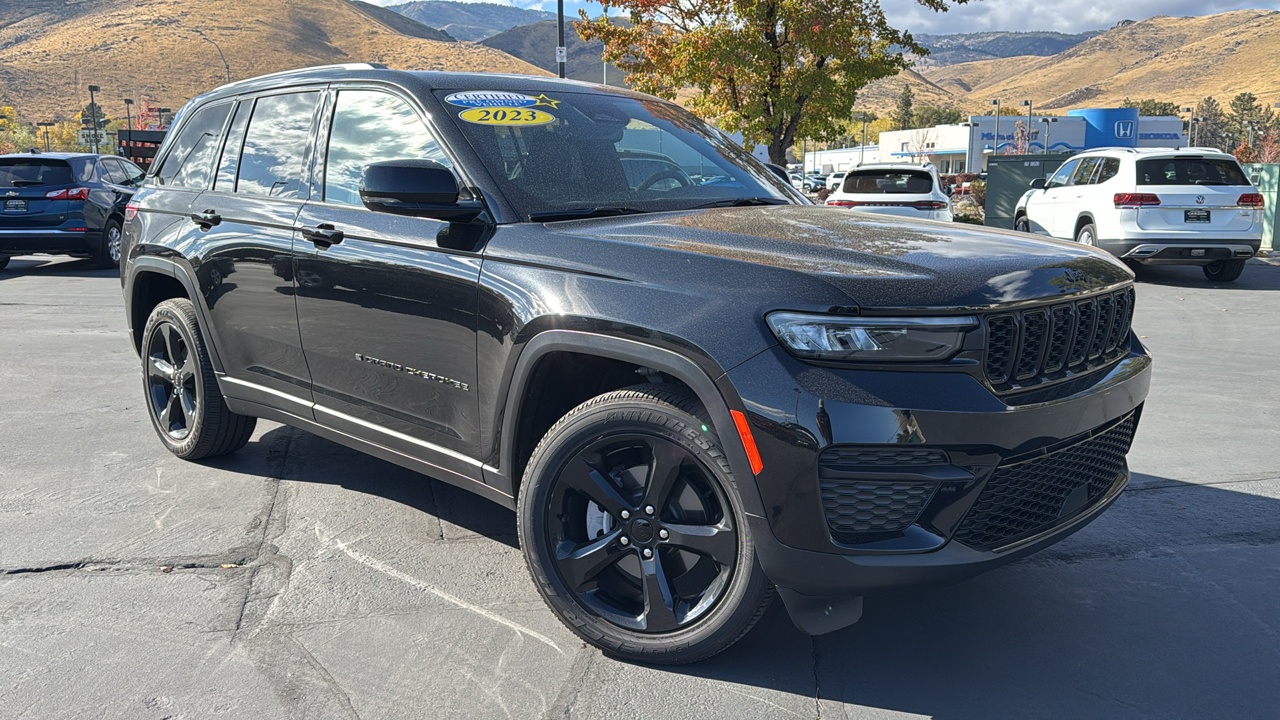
(878, 261)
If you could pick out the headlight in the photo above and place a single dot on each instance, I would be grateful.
(861, 339)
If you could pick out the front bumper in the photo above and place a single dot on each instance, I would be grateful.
(50, 241)
(798, 410)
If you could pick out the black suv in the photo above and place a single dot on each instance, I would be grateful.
(64, 204)
(695, 388)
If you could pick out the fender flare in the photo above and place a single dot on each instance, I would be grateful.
(169, 268)
(672, 363)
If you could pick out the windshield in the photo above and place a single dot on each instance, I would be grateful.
(879, 182)
(29, 172)
(581, 151)
(1190, 171)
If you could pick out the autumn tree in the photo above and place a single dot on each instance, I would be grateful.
(774, 70)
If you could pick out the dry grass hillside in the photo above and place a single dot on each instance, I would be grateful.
(1179, 60)
(50, 50)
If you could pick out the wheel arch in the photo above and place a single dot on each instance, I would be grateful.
(153, 280)
(516, 429)
(1085, 218)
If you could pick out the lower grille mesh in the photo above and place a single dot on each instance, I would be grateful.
(1025, 498)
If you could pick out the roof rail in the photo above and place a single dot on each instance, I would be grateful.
(335, 66)
(1111, 147)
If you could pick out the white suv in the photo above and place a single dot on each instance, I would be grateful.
(1193, 206)
(893, 189)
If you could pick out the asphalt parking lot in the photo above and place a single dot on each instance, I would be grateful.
(309, 581)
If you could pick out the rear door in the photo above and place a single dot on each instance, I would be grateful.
(245, 263)
(387, 315)
(1199, 195)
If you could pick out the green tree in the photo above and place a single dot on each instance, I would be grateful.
(774, 70)
(930, 115)
(1211, 130)
(903, 116)
(1150, 107)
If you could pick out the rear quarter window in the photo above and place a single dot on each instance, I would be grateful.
(189, 162)
(1190, 171)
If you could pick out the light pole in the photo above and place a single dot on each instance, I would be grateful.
(561, 53)
(995, 148)
(93, 110)
(862, 142)
(1188, 111)
(46, 125)
(160, 113)
(1027, 104)
(224, 57)
(1251, 124)
(969, 146)
(1046, 121)
(1195, 130)
(128, 124)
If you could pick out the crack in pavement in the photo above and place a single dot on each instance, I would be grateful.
(234, 559)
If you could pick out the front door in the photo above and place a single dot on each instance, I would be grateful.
(1042, 207)
(388, 317)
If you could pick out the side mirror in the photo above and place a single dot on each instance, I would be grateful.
(1037, 184)
(420, 188)
(780, 172)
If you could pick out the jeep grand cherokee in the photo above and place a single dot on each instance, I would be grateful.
(696, 389)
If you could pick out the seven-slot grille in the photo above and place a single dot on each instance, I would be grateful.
(1029, 347)
(1026, 497)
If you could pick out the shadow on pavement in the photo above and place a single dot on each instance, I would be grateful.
(54, 266)
(1257, 275)
(1167, 607)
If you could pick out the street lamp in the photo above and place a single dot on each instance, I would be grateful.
(995, 148)
(160, 113)
(128, 123)
(561, 53)
(862, 142)
(46, 124)
(219, 49)
(93, 110)
(1046, 121)
(1187, 111)
(1251, 124)
(1027, 104)
(1195, 130)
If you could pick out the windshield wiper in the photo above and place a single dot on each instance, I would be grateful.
(742, 202)
(581, 213)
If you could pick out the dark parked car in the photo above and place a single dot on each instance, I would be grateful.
(692, 395)
(64, 204)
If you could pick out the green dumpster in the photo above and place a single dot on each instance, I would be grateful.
(1267, 179)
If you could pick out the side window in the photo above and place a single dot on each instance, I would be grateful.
(1084, 171)
(1107, 169)
(230, 162)
(275, 145)
(372, 126)
(1064, 173)
(111, 171)
(190, 159)
(133, 174)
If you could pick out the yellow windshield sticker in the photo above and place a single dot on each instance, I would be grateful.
(506, 116)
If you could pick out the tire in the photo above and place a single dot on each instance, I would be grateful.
(1224, 270)
(1022, 225)
(109, 255)
(601, 452)
(1087, 235)
(183, 401)
(4, 261)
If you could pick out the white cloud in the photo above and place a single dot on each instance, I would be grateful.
(1068, 16)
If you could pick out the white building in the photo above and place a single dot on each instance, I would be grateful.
(966, 146)
(840, 159)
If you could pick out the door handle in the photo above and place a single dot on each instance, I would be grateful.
(206, 219)
(322, 235)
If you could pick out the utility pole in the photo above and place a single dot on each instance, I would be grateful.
(93, 110)
(562, 55)
(46, 125)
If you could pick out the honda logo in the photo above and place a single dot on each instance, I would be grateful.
(1124, 129)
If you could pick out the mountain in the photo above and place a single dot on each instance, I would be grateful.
(1179, 60)
(968, 47)
(470, 21)
(536, 43)
(50, 50)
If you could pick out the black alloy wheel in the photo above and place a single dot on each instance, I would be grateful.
(633, 534)
(640, 534)
(186, 407)
(171, 381)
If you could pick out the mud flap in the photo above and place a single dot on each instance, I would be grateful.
(821, 615)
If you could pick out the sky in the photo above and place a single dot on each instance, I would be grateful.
(1068, 16)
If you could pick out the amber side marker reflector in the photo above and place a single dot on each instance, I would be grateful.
(748, 442)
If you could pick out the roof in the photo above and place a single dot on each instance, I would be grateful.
(51, 155)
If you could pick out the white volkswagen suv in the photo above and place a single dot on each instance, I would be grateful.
(1193, 206)
(893, 189)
